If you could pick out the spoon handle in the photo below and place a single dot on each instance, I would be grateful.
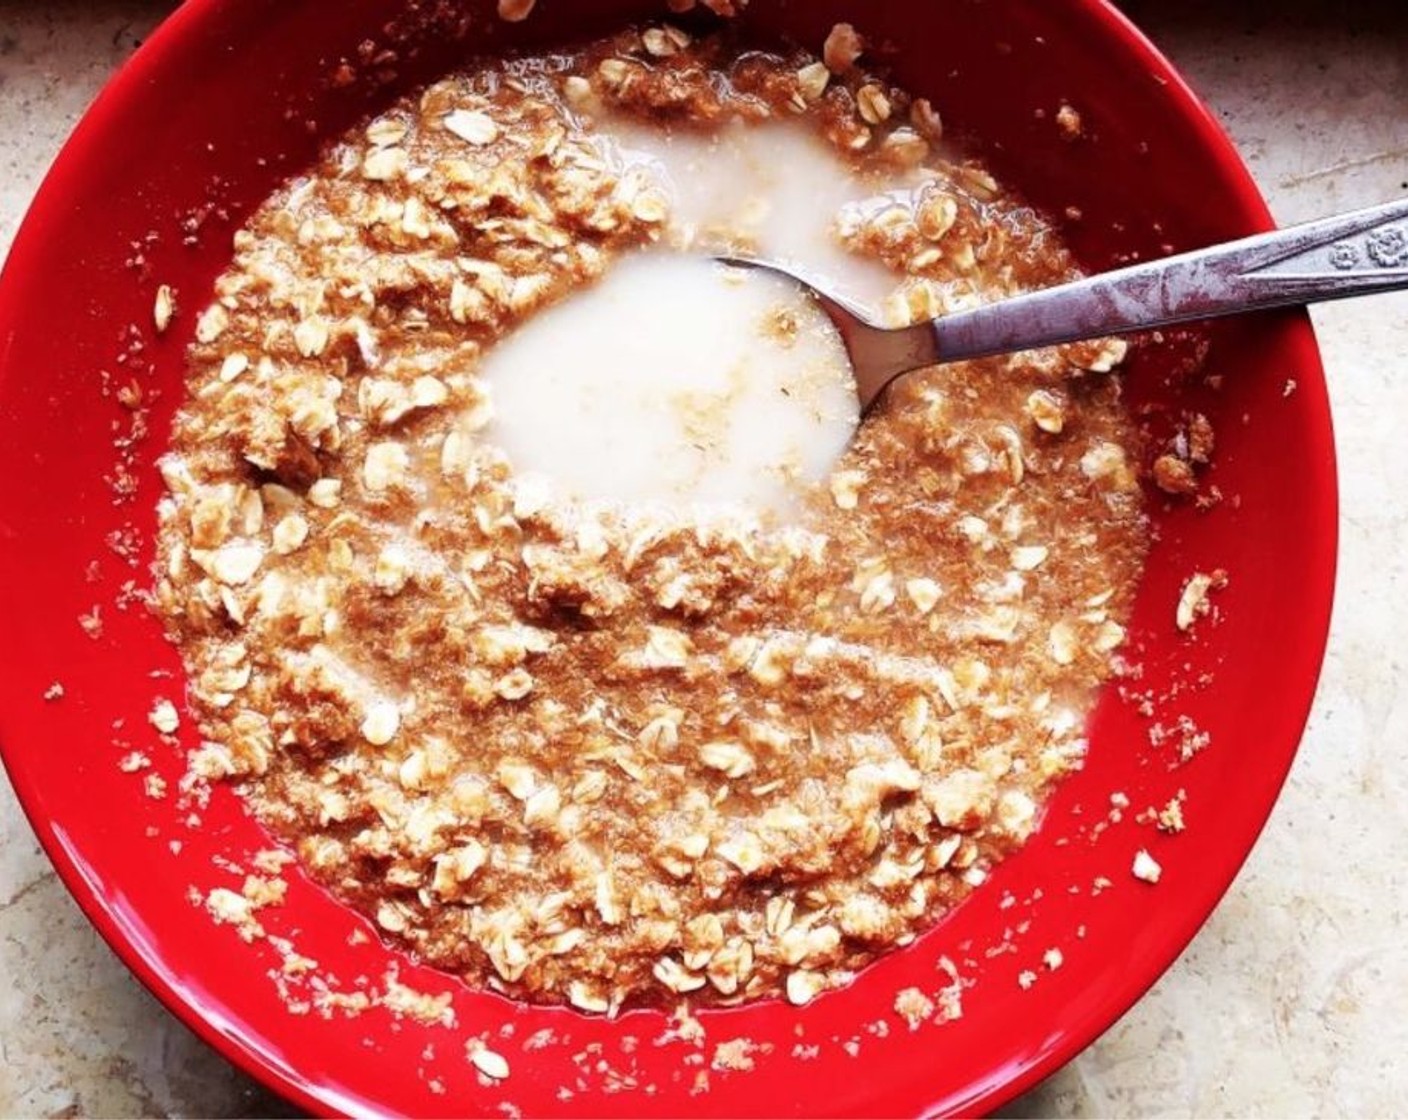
(1353, 254)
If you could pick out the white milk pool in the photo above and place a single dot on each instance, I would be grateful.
(670, 380)
(675, 379)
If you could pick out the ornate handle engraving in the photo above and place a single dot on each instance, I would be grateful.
(1374, 249)
(1383, 248)
(1353, 254)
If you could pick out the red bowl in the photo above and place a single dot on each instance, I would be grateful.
(227, 98)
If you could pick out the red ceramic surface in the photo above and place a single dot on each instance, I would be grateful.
(228, 97)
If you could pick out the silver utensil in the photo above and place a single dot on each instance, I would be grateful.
(1354, 254)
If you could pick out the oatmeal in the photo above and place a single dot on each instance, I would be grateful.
(601, 753)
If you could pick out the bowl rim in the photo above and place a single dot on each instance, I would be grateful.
(147, 65)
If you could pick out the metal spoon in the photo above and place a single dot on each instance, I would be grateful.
(1354, 254)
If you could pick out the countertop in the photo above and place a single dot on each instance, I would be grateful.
(1289, 1002)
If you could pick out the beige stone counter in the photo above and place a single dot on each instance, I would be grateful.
(1290, 1000)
